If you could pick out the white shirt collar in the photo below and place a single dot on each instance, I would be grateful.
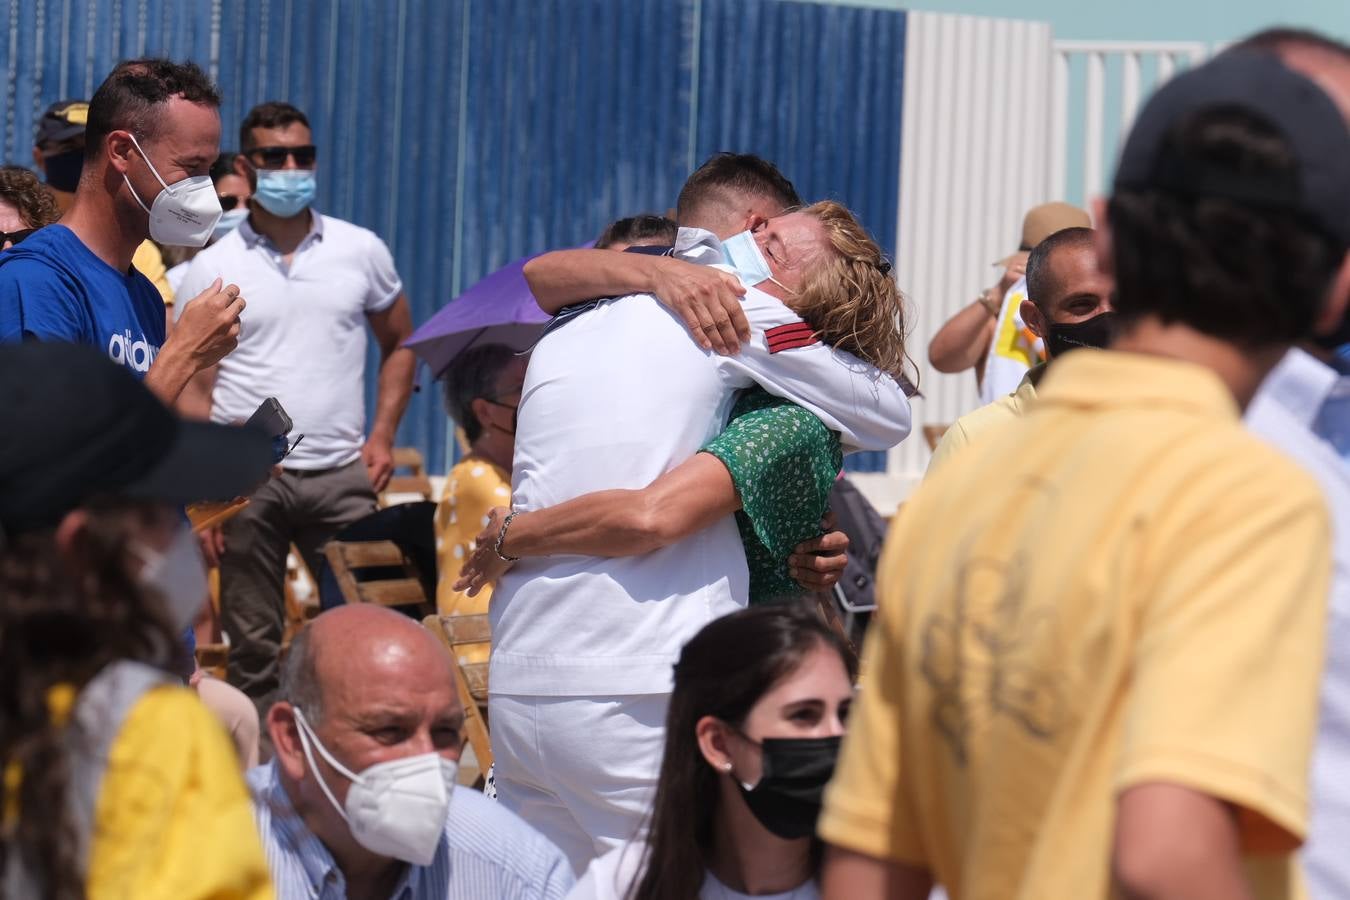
(698, 245)
(252, 237)
(1300, 384)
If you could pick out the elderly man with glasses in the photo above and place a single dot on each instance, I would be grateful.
(313, 282)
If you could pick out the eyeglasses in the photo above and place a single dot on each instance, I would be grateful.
(15, 237)
(275, 157)
(229, 201)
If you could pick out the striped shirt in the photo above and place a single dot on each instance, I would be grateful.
(485, 852)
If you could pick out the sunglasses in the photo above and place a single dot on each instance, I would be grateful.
(229, 201)
(15, 237)
(275, 157)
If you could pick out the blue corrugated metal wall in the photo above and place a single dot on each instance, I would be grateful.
(468, 133)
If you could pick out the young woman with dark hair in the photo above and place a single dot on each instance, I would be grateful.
(760, 701)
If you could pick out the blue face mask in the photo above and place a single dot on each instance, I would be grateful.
(285, 192)
(744, 255)
(229, 221)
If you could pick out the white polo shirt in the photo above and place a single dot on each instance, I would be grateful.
(303, 339)
(613, 399)
(1283, 413)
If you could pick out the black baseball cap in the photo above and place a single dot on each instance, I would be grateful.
(1261, 85)
(77, 426)
(63, 121)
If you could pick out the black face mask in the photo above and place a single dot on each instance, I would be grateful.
(1094, 332)
(515, 414)
(795, 771)
(63, 170)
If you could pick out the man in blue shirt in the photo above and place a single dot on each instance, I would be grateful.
(153, 131)
(361, 799)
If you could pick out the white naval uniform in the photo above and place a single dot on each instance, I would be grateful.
(583, 646)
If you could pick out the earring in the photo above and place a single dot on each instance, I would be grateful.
(726, 766)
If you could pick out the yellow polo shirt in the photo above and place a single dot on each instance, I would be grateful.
(149, 261)
(1121, 587)
(472, 488)
(965, 429)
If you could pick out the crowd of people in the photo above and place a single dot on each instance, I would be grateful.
(1105, 658)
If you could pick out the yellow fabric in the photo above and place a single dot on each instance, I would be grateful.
(965, 429)
(1122, 586)
(173, 819)
(472, 488)
(150, 263)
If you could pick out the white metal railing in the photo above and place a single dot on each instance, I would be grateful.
(1141, 65)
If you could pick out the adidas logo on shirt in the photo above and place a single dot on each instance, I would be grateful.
(136, 355)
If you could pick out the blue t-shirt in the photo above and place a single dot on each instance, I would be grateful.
(53, 288)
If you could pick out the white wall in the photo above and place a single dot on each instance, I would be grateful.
(976, 126)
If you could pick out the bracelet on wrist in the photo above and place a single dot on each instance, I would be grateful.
(501, 538)
(989, 305)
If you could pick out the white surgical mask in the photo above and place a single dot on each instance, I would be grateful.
(395, 808)
(743, 254)
(183, 215)
(228, 222)
(178, 575)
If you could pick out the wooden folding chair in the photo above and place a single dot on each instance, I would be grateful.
(933, 434)
(471, 679)
(414, 481)
(404, 589)
(298, 614)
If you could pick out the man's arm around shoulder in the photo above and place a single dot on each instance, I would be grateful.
(867, 407)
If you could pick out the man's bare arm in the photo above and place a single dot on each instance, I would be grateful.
(1175, 843)
(205, 333)
(706, 299)
(195, 400)
(391, 326)
(964, 339)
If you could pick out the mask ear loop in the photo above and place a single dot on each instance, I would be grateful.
(148, 164)
(153, 171)
(752, 742)
(306, 734)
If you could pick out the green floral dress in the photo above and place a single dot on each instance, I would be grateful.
(783, 461)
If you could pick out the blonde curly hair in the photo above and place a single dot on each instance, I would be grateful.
(850, 298)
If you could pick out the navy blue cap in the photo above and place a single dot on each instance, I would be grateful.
(77, 426)
(1261, 85)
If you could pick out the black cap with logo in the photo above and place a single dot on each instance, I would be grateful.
(78, 426)
(1259, 84)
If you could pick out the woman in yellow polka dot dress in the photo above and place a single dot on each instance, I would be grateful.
(482, 390)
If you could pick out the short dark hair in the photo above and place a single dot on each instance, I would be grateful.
(471, 376)
(272, 114)
(300, 677)
(1276, 39)
(1250, 276)
(223, 166)
(742, 173)
(1040, 278)
(20, 188)
(133, 95)
(646, 227)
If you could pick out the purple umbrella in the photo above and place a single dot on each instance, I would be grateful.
(497, 310)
